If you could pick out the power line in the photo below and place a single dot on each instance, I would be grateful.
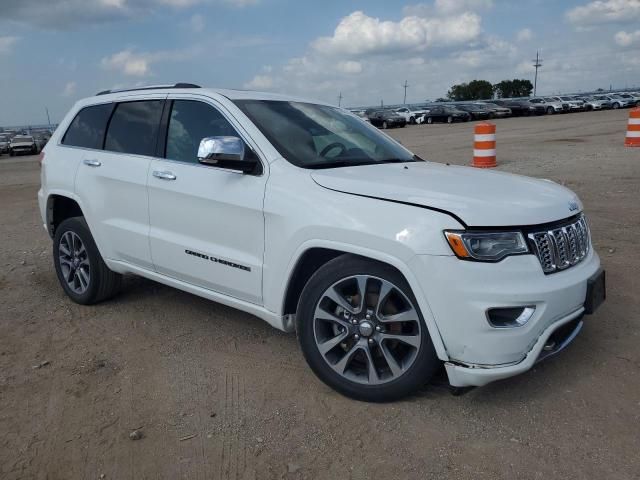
(405, 91)
(537, 63)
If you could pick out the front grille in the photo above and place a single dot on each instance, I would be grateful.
(562, 246)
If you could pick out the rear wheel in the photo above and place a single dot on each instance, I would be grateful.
(361, 331)
(429, 120)
(84, 276)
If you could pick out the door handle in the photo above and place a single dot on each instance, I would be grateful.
(92, 163)
(164, 175)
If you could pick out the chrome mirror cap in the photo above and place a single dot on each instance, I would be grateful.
(215, 149)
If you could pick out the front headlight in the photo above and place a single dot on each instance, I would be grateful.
(486, 246)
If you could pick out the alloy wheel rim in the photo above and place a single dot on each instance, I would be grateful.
(367, 330)
(74, 262)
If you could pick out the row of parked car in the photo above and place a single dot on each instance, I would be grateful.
(22, 143)
(499, 108)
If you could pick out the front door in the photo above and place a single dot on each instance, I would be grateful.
(206, 223)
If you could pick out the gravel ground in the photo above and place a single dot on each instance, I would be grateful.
(216, 393)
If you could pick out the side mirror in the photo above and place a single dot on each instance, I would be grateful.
(226, 152)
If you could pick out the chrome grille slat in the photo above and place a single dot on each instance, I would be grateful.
(561, 247)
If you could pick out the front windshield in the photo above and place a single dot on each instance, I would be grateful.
(320, 136)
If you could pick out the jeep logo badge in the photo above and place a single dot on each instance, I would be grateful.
(573, 206)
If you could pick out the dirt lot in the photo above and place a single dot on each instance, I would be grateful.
(219, 394)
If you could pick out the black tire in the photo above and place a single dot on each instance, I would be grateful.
(449, 119)
(103, 283)
(412, 120)
(550, 110)
(424, 366)
(429, 120)
(615, 106)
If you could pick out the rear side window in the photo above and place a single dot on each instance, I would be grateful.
(134, 127)
(87, 129)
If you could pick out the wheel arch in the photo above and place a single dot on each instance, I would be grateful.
(311, 257)
(59, 208)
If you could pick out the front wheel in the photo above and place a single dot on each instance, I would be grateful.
(84, 276)
(616, 106)
(412, 121)
(361, 331)
(550, 110)
(429, 120)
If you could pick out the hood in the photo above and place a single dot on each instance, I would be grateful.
(478, 197)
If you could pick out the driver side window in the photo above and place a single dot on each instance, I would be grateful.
(191, 121)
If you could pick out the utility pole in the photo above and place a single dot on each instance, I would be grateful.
(48, 119)
(537, 63)
(405, 92)
(382, 103)
(340, 97)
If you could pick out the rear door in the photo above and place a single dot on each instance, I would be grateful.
(112, 182)
(207, 223)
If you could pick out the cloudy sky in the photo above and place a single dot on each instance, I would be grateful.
(53, 52)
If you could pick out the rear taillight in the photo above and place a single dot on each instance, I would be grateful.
(41, 158)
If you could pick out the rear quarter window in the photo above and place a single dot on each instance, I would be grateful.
(88, 127)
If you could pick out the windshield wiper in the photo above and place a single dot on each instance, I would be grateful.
(356, 163)
(338, 163)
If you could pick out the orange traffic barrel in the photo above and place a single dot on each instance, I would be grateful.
(633, 129)
(484, 145)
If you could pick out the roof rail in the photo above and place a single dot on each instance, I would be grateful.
(149, 87)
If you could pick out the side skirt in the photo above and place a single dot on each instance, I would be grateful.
(271, 318)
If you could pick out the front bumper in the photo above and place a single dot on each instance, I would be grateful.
(459, 293)
(479, 375)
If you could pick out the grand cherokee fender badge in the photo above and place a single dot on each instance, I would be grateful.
(218, 260)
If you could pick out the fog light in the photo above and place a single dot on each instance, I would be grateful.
(510, 317)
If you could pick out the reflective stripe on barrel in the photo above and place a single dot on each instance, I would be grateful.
(633, 129)
(484, 145)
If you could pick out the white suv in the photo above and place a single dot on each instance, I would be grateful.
(386, 266)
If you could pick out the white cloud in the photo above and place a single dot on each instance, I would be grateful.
(127, 62)
(6, 44)
(365, 55)
(359, 34)
(446, 7)
(69, 89)
(260, 82)
(68, 14)
(625, 39)
(524, 35)
(454, 6)
(138, 64)
(350, 67)
(605, 11)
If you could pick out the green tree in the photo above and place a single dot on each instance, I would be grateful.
(513, 88)
(474, 90)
